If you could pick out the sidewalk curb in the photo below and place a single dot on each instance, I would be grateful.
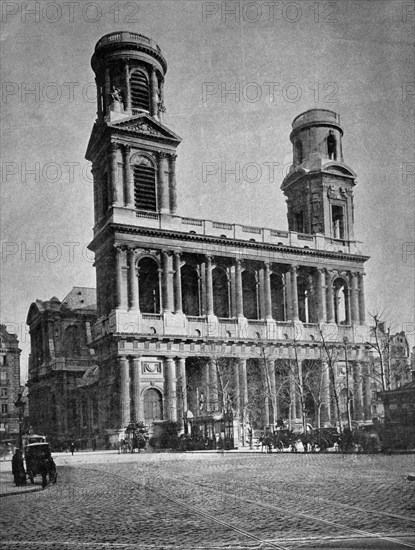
(34, 490)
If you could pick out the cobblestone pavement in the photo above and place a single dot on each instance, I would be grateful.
(190, 501)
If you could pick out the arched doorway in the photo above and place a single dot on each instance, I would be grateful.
(220, 292)
(190, 290)
(250, 295)
(153, 406)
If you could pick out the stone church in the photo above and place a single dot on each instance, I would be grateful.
(200, 319)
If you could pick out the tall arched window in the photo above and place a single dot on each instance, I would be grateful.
(250, 296)
(220, 292)
(149, 291)
(299, 151)
(331, 147)
(153, 406)
(140, 91)
(72, 341)
(341, 302)
(145, 194)
(277, 297)
(190, 290)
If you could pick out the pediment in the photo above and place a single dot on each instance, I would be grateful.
(339, 169)
(146, 126)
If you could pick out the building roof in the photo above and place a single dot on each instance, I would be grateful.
(79, 298)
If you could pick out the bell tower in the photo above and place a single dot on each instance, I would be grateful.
(319, 186)
(132, 153)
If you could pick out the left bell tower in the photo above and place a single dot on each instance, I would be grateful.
(132, 152)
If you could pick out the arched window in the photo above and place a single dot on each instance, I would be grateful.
(277, 297)
(153, 406)
(249, 293)
(140, 92)
(299, 151)
(331, 147)
(72, 341)
(341, 302)
(145, 194)
(220, 292)
(190, 290)
(149, 291)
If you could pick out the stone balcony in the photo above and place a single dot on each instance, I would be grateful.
(231, 231)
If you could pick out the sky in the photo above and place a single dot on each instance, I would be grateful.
(238, 73)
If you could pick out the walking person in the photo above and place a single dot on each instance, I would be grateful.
(72, 447)
(19, 473)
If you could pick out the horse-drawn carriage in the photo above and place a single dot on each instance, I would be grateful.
(39, 461)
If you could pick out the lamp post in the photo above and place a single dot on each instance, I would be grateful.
(20, 405)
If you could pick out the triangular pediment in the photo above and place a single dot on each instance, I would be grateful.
(146, 126)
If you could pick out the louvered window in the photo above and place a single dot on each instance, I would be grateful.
(140, 96)
(145, 197)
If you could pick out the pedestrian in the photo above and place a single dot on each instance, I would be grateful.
(72, 447)
(18, 470)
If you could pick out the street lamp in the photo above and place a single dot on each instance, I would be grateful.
(20, 405)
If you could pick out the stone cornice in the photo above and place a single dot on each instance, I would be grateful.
(174, 235)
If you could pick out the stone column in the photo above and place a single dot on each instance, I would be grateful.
(329, 297)
(325, 393)
(367, 392)
(292, 395)
(243, 384)
(163, 186)
(299, 388)
(209, 286)
(118, 261)
(172, 184)
(129, 178)
(99, 100)
(271, 371)
(177, 284)
(237, 386)
(294, 293)
(127, 105)
(154, 93)
(115, 191)
(358, 391)
(124, 391)
(267, 292)
(206, 387)
(107, 90)
(182, 390)
(238, 288)
(354, 305)
(132, 281)
(321, 296)
(213, 378)
(136, 375)
(362, 306)
(171, 385)
(346, 292)
(166, 290)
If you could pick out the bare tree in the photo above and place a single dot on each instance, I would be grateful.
(330, 354)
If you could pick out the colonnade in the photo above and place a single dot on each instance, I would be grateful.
(319, 302)
(172, 384)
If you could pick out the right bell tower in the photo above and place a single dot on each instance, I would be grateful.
(319, 185)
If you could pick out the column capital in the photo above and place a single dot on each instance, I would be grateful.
(173, 157)
(128, 148)
(114, 146)
(162, 154)
(294, 267)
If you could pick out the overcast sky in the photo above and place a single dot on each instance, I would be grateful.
(282, 58)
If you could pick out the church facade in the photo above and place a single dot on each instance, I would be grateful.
(199, 318)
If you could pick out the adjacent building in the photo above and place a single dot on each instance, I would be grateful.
(10, 388)
(60, 358)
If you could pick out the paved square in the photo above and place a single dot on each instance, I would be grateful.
(105, 500)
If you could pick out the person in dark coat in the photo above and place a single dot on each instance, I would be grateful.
(18, 470)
